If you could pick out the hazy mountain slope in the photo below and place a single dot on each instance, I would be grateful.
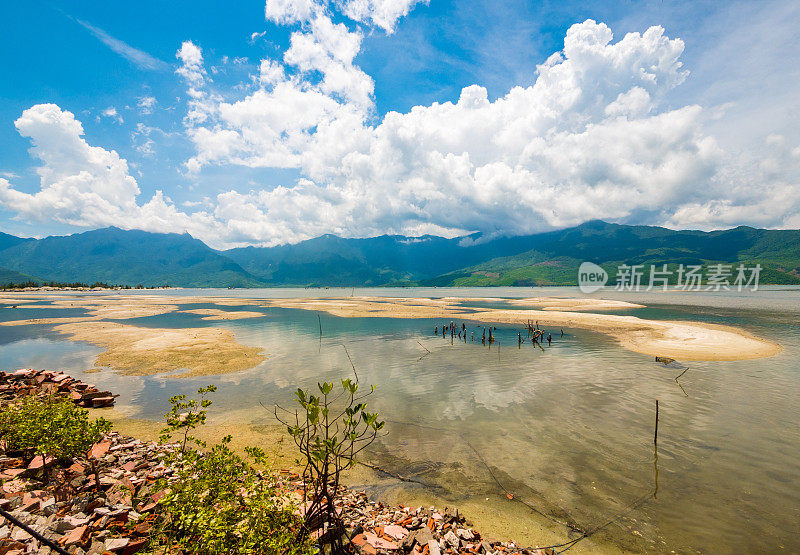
(11, 276)
(8, 241)
(126, 257)
(331, 260)
(557, 255)
(132, 257)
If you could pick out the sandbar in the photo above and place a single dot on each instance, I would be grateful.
(573, 305)
(121, 308)
(217, 314)
(47, 321)
(679, 340)
(142, 351)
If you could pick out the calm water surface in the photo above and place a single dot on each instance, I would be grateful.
(568, 430)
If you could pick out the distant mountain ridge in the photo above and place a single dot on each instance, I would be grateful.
(557, 255)
(132, 257)
(138, 257)
(332, 260)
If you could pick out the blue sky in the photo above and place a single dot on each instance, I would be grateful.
(713, 125)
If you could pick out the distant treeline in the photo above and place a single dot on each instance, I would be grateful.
(74, 285)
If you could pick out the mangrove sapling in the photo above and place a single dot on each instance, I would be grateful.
(186, 415)
(330, 430)
(215, 501)
(49, 428)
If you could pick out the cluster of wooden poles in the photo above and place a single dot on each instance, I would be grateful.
(461, 332)
(536, 335)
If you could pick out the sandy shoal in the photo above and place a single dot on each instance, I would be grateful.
(217, 314)
(680, 340)
(120, 308)
(12, 300)
(47, 321)
(141, 351)
(573, 305)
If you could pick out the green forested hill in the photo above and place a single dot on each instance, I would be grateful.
(8, 241)
(10, 276)
(126, 257)
(556, 257)
(132, 257)
(334, 261)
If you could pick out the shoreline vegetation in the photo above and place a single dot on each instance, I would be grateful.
(74, 286)
(122, 492)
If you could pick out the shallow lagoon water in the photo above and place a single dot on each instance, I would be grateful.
(568, 430)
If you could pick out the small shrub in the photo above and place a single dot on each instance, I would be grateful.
(216, 501)
(184, 416)
(330, 430)
(50, 428)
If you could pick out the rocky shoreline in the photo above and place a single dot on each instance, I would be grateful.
(27, 381)
(84, 512)
(104, 502)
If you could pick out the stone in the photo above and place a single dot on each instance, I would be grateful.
(61, 526)
(30, 504)
(361, 544)
(420, 537)
(114, 544)
(48, 507)
(433, 548)
(452, 539)
(99, 449)
(464, 534)
(20, 535)
(396, 532)
(14, 486)
(76, 536)
(135, 546)
(76, 520)
(38, 462)
(77, 468)
(97, 547)
(13, 548)
(379, 543)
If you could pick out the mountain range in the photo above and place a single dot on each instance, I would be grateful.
(131, 257)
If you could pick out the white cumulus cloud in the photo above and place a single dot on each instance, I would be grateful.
(85, 185)
(381, 13)
(591, 138)
(594, 136)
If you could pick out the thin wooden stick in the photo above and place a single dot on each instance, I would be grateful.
(655, 435)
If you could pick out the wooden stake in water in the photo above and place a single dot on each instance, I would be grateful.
(655, 435)
(655, 455)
